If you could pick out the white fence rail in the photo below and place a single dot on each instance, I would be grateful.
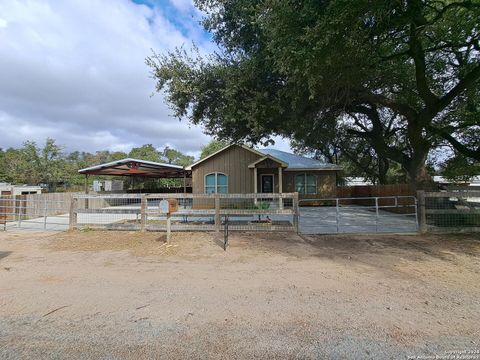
(266, 212)
(456, 211)
(387, 214)
(39, 213)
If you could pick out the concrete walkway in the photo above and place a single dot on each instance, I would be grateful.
(354, 219)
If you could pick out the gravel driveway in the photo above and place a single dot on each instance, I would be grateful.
(121, 295)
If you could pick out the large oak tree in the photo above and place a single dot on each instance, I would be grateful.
(401, 76)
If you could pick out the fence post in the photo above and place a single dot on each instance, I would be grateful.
(422, 215)
(169, 227)
(337, 213)
(18, 209)
(143, 213)
(296, 210)
(376, 214)
(3, 212)
(217, 213)
(72, 223)
(45, 209)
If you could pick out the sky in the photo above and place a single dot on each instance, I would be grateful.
(74, 70)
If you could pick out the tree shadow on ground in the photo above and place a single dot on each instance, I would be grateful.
(4, 254)
(445, 247)
(379, 250)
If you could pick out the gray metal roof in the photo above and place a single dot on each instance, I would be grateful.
(299, 162)
(138, 167)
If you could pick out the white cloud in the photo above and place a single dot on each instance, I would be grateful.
(183, 5)
(74, 70)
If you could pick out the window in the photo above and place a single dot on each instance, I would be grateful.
(306, 184)
(216, 183)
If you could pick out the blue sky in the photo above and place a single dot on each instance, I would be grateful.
(182, 14)
(74, 70)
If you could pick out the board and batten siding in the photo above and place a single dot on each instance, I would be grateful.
(326, 182)
(232, 162)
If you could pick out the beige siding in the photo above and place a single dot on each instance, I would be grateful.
(326, 182)
(233, 162)
(268, 164)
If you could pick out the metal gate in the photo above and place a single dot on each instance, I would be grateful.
(389, 214)
(21, 212)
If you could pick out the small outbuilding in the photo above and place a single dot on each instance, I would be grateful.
(14, 190)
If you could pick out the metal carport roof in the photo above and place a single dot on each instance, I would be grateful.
(137, 167)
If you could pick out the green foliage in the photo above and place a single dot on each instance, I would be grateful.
(460, 168)
(3, 175)
(50, 166)
(86, 229)
(394, 79)
(175, 157)
(212, 147)
(145, 152)
(263, 205)
(31, 164)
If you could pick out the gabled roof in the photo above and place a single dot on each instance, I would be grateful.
(297, 162)
(221, 150)
(137, 167)
(288, 160)
(263, 158)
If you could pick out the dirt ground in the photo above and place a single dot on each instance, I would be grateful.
(126, 295)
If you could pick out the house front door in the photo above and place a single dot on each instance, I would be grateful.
(267, 183)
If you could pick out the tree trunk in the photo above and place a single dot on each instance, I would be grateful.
(416, 167)
(417, 172)
(383, 166)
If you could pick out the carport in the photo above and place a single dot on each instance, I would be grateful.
(137, 168)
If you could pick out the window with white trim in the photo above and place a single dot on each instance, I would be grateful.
(216, 183)
(306, 184)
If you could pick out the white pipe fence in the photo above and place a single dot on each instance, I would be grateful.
(452, 211)
(207, 212)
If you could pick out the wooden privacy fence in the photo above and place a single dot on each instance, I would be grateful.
(449, 211)
(267, 212)
(375, 190)
(34, 205)
(364, 194)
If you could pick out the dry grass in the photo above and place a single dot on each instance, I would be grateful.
(135, 243)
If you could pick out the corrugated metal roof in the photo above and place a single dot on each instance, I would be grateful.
(299, 162)
(127, 160)
(138, 167)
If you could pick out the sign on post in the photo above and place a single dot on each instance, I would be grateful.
(164, 207)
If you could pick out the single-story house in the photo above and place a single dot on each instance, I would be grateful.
(241, 169)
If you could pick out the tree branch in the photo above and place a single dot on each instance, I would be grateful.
(467, 81)
(401, 108)
(457, 145)
(418, 55)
